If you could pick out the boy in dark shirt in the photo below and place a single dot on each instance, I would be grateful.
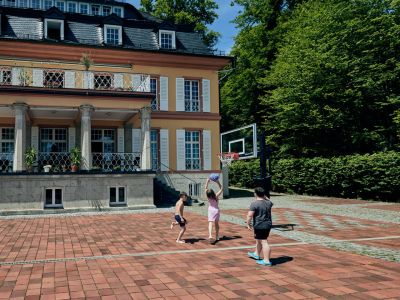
(260, 214)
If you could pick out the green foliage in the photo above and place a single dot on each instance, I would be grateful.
(369, 176)
(75, 156)
(197, 12)
(30, 157)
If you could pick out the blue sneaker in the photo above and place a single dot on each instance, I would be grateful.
(264, 263)
(253, 255)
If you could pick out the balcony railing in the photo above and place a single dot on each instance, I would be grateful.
(116, 161)
(6, 162)
(58, 161)
(73, 79)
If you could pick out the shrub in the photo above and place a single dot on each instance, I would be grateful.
(369, 176)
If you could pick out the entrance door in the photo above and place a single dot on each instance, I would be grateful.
(103, 148)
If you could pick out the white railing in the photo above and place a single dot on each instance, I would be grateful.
(73, 79)
(58, 161)
(116, 161)
(6, 162)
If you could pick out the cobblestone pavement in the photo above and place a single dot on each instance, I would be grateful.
(330, 249)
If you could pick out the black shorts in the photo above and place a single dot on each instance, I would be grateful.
(261, 234)
(178, 219)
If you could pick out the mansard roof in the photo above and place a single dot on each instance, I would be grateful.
(139, 30)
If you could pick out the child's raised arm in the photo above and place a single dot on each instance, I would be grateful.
(220, 189)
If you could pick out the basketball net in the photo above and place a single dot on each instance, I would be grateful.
(226, 158)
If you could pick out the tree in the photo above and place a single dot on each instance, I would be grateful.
(335, 79)
(197, 12)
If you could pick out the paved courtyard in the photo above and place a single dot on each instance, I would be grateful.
(322, 248)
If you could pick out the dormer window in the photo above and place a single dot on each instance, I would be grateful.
(23, 3)
(60, 5)
(95, 10)
(106, 10)
(84, 8)
(113, 35)
(54, 29)
(35, 4)
(118, 11)
(167, 39)
(72, 7)
(48, 4)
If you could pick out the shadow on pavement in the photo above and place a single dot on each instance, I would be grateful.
(281, 260)
(225, 238)
(284, 227)
(193, 240)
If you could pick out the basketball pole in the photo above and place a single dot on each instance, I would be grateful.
(225, 181)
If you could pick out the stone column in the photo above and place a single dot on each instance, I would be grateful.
(145, 123)
(20, 136)
(86, 133)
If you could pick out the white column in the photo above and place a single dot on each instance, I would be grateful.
(145, 127)
(86, 142)
(20, 136)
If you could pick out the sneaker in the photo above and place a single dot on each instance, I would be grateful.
(253, 255)
(264, 263)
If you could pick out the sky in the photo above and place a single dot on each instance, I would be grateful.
(226, 14)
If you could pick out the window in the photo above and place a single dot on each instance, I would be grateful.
(194, 189)
(72, 7)
(53, 197)
(48, 4)
(192, 150)
(103, 81)
(106, 10)
(117, 195)
(154, 90)
(60, 5)
(112, 35)
(23, 3)
(192, 102)
(5, 76)
(54, 29)
(167, 39)
(35, 4)
(118, 11)
(53, 78)
(11, 3)
(84, 8)
(53, 140)
(7, 140)
(95, 10)
(154, 137)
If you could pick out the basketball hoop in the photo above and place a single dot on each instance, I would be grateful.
(226, 158)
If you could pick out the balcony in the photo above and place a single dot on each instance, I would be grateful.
(6, 162)
(78, 80)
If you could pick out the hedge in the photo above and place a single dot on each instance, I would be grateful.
(369, 176)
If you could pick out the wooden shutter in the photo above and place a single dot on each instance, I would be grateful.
(35, 137)
(207, 149)
(118, 81)
(180, 150)
(37, 77)
(206, 95)
(163, 93)
(121, 140)
(164, 149)
(180, 94)
(71, 137)
(69, 79)
(15, 76)
(136, 140)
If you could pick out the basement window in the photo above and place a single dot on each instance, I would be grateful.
(54, 29)
(117, 195)
(194, 189)
(53, 198)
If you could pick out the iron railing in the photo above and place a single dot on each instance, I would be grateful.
(6, 162)
(56, 78)
(116, 161)
(58, 161)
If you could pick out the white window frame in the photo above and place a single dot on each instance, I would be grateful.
(115, 8)
(191, 143)
(155, 102)
(61, 2)
(117, 202)
(119, 28)
(38, 1)
(194, 189)
(76, 7)
(169, 32)
(26, 4)
(53, 205)
(53, 139)
(44, 4)
(102, 10)
(54, 21)
(87, 8)
(155, 146)
(6, 140)
(91, 9)
(192, 100)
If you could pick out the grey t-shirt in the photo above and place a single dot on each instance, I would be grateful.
(262, 218)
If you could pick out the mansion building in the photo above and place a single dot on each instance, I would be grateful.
(129, 99)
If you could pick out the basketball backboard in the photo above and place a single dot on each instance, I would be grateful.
(242, 140)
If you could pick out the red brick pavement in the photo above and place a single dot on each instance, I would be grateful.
(332, 201)
(391, 207)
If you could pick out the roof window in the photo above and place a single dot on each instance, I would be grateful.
(54, 29)
(167, 39)
(113, 35)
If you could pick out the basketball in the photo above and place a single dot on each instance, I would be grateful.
(214, 177)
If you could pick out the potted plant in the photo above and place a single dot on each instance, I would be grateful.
(30, 158)
(75, 156)
(86, 61)
(47, 168)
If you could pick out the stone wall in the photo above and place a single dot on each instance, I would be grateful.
(79, 191)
